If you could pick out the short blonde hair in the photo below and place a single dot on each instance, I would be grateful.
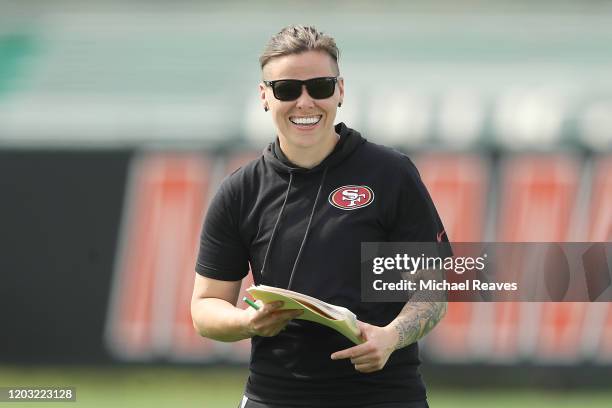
(296, 39)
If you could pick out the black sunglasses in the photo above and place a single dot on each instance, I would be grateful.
(291, 89)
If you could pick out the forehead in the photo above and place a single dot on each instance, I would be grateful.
(309, 64)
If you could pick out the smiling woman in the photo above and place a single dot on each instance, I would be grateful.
(296, 217)
(302, 93)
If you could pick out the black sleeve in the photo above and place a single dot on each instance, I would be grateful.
(222, 253)
(412, 216)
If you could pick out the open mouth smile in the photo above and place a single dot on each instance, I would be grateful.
(305, 121)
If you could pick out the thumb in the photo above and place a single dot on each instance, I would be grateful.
(363, 329)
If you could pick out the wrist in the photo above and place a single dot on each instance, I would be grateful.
(244, 324)
(392, 335)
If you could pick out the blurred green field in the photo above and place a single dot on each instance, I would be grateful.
(222, 387)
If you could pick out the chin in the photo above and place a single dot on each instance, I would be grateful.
(304, 141)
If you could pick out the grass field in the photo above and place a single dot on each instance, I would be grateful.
(153, 387)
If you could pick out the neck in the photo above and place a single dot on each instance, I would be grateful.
(309, 157)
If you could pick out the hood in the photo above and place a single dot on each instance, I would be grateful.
(349, 140)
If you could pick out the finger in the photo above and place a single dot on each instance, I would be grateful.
(363, 329)
(281, 315)
(362, 359)
(273, 327)
(277, 320)
(285, 318)
(346, 353)
(272, 306)
(268, 308)
(355, 351)
(289, 314)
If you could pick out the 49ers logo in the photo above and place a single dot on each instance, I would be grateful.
(351, 197)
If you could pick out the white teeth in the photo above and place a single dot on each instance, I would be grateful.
(308, 120)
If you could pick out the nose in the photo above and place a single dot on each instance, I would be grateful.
(305, 101)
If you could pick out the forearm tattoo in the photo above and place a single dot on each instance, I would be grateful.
(416, 320)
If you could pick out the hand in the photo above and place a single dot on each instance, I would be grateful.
(373, 354)
(268, 320)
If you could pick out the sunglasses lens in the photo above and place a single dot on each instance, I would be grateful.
(287, 90)
(291, 89)
(321, 88)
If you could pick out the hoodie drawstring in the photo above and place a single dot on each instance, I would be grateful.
(280, 214)
(314, 206)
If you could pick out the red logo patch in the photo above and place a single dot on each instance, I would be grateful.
(351, 197)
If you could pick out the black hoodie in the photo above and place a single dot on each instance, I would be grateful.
(302, 229)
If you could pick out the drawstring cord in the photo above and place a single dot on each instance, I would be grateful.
(314, 206)
(280, 213)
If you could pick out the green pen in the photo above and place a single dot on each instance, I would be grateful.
(250, 303)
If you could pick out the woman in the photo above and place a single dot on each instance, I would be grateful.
(298, 215)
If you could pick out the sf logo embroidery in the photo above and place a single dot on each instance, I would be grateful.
(351, 197)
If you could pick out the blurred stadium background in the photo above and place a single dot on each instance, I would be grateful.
(118, 119)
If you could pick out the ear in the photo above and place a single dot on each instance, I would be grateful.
(262, 95)
(341, 88)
